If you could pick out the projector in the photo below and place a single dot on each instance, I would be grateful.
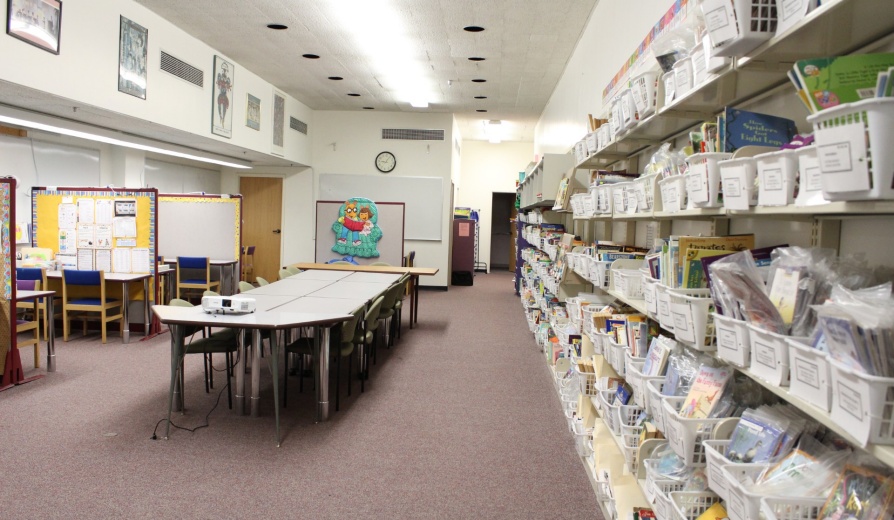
(228, 304)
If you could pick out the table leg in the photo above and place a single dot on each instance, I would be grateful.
(125, 297)
(176, 364)
(255, 372)
(274, 370)
(321, 342)
(146, 307)
(240, 374)
(170, 291)
(414, 318)
(51, 336)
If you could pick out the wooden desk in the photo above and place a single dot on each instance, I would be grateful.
(414, 272)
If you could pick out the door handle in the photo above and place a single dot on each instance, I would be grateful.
(277, 231)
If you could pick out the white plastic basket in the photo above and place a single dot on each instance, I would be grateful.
(628, 110)
(685, 435)
(776, 172)
(599, 272)
(810, 179)
(655, 402)
(616, 358)
(664, 508)
(603, 136)
(644, 189)
(650, 294)
(854, 149)
(603, 488)
(716, 460)
(614, 119)
(733, 340)
(667, 82)
(637, 380)
(863, 403)
(689, 505)
(699, 65)
(665, 318)
(619, 198)
(610, 411)
(592, 141)
(673, 193)
(738, 177)
(629, 282)
(630, 443)
(810, 374)
(657, 484)
(583, 439)
(629, 415)
(586, 381)
(769, 355)
(604, 200)
(602, 338)
(683, 77)
(645, 93)
(703, 179)
(742, 504)
(693, 323)
(795, 508)
(738, 27)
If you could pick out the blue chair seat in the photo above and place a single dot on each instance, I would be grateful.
(195, 281)
(90, 301)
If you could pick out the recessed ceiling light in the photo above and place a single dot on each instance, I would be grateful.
(277, 26)
(480, 97)
(353, 94)
(336, 78)
(476, 58)
(311, 56)
(481, 110)
(473, 28)
(368, 108)
(479, 80)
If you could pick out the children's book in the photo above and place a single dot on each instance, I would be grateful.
(693, 273)
(740, 128)
(706, 391)
(656, 359)
(715, 512)
(719, 244)
(859, 494)
(753, 440)
(835, 80)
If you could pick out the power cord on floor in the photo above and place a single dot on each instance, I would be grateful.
(191, 430)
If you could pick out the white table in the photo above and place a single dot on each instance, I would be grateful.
(346, 290)
(320, 275)
(124, 279)
(374, 277)
(51, 333)
(290, 287)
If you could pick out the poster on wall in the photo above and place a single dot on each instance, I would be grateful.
(133, 46)
(221, 99)
(279, 121)
(37, 22)
(356, 230)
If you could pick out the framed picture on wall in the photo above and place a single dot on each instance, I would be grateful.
(279, 122)
(37, 22)
(253, 113)
(133, 48)
(222, 114)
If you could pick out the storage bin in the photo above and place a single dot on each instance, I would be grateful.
(810, 374)
(739, 183)
(629, 416)
(644, 188)
(603, 199)
(703, 179)
(610, 412)
(693, 323)
(769, 355)
(776, 173)
(654, 402)
(682, 77)
(742, 504)
(737, 28)
(583, 439)
(619, 197)
(650, 294)
(864, 403)
(645, 93)
(614, 119)
(689, 505)
(791, 508)
(716, 459)
(628, 110)
(665, 318)
(733, 340)
(589, 204)
(854, 149)
(673, 193)
(685, 435)
(713, 62)
(631, 203)
(699, 65)
(657, 484)
(603, 136)
(629, 283)
(637, 380)
(630, 444)
(592, 141)
(810, 179)
(616, 358)
(599, 272)
(667, 81)
(664, 508)
(586, 381)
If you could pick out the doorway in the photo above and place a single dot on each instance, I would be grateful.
(262, 223)
(501, 248)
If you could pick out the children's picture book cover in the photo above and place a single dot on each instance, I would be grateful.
(740, 128)
(753, 441)
(859, 494)
(357, 232)
(706, 391)
(831, 81)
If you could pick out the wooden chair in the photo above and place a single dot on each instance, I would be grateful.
(83, 305)
(25, 326)
(195, 263)
(38, 275)
(248, 261)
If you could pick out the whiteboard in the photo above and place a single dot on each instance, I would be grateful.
(391, 222)
(206, 226)
(423, 198)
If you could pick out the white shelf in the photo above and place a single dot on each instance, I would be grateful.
(638, 305)
(829, 210)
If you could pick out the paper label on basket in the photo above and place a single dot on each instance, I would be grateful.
(726, 339)
(850, 401)
(790, 12)
(641, 195)
(812, 178)
(698, 182)
(640, 94)
(632, 203)
(842, 157)
(669, 90)
(806, 372)
(720, 20)
(765, 354)
(670, 197)
(683, 78)
(773, 188)
(626, 114)
(735, 193)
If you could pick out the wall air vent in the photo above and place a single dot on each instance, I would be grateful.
(297, 124)
(412, 134)
(182, 70)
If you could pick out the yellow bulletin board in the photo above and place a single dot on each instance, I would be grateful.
(45, 214)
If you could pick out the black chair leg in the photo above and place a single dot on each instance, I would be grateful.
(229, 361)
(211, 371)
(337, 378)
(300, 373)
(285, 382)
(350, 378)
(205, 366)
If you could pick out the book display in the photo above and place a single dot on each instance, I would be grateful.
(727, 349)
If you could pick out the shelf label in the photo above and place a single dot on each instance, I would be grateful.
(735, 189)
(806, 372)
(765, 354)
(850, 401)
(841, 151)
(726, 339)
(790, 13)
(697, 182)
(813, 178)
(683, 77)
(773, 187)
(669, 90)
(720, 20)
(641, 198)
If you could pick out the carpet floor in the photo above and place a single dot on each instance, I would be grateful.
(459, 420)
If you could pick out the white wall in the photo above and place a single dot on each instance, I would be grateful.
(348, 142)
(85, 71)
(488, 168)
(615, 29)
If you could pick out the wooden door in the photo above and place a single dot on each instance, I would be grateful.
(262, 223)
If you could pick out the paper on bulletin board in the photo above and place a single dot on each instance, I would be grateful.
(86, 236)
(68, 243)
(140, 260)
(121, 260)
(85, 260)
(67, 261)
(103, 236)
(86, 211)
(68, 216)
(103, 260)
(23, 235)
(104, 211)
(125, 227)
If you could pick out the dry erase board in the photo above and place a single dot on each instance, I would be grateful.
(391, 222)
(423, 198)
(200, 225)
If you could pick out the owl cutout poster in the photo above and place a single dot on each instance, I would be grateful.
(356, 230)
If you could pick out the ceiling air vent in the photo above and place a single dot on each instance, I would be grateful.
(297, 124)
(412, 134)
(182, 70)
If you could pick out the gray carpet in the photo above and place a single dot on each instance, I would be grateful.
(459, 420)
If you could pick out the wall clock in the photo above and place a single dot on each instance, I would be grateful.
(385, 162)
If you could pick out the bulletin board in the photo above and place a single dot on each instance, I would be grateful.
(390, 221)
(214, 229)
(8, 347)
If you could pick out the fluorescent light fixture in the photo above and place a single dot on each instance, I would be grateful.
(493, 130)
(382, 34)
(46, 123)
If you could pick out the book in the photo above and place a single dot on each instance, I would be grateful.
(738, 128)
(706, 390)
(656, 359)
(754, 440)
(835, 80)
(725, 243)
(859, 494)
(693, 273)
(715, 512)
